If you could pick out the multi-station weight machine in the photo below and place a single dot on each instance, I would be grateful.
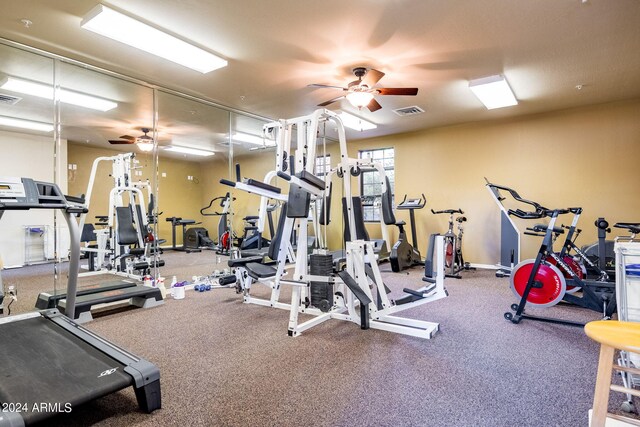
(357, 293)
(126, 243)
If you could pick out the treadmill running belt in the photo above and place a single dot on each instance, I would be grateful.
(44, 364)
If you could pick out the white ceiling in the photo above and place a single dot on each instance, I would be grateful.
(275, 48)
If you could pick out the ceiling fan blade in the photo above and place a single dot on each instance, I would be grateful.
(326, 86)
(374, 105)
(331, 101)
(121, 141)
(372, 77)
(129, 137)
(398, 91)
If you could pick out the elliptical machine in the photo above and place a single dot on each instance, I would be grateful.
(453, 259)
(404, 255)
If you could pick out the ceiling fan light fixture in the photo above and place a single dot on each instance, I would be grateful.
(359, 99)
(25, 124)
(356, 123)
(117, 26)
(145, 146)
(493, 92)
(67, 96)
(189, 150)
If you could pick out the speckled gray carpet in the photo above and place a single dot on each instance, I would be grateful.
(224, 363)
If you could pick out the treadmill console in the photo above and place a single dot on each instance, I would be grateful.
(25, 193)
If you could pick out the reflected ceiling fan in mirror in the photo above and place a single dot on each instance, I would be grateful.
(361, 93)
(144, 142)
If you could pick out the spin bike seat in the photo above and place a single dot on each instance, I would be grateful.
(634, 227)
(541, 228)
(401, 222)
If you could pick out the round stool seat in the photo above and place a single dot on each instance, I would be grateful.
(616, 334)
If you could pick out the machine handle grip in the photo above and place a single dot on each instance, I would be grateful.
(284, 176)
(227, 182)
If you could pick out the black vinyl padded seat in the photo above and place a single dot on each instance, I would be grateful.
(260, 271)
(238, 262)
(634, 227)
(401, 222)
(251, 218)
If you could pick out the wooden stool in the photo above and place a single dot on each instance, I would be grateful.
(612, 335)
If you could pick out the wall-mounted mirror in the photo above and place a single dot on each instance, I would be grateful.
(27, 238)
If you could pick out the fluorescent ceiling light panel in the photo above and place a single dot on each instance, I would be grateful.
(25, 124)
(67, 96)
(353, 122)
(188, 150)
(493, 92)
(251, 139)
(109, 23)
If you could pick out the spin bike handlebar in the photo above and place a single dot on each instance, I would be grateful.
(541, 213)
(448, 211)
(515, 195)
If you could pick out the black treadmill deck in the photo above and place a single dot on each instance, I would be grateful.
(41, 361)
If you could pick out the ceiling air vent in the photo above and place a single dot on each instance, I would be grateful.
(9, 99)
(409, 111)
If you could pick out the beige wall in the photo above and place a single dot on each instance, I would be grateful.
(581, 157)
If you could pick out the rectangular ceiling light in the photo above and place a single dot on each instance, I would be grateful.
(45, 91)
(109, 23)
(189, 150)
(353, 122)
(493, 92)
(251, 139)
(25, 124)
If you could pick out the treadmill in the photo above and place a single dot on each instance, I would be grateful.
(48, 363)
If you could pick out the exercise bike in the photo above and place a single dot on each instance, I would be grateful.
(225, 237)
(404, 255)
(453, 259)
(543, 282)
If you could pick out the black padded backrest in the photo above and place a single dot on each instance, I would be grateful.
(88, 234)
(325, 208)
(275, 239)
(358, 219)
(299, 201)
(127, 234)
(387, 205)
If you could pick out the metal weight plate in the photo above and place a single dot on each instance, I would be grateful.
(553, 284)
(575, 266)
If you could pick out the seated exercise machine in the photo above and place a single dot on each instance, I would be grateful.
(51, 364)
(453, 259)
(549, 279)
(403, 254)
(179, 222)
(357, 293)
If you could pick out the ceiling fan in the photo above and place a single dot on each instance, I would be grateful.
(145, 142)
(361, 92)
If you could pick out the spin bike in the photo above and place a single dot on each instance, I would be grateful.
(403, 254)
(543, 282)
(453, 259)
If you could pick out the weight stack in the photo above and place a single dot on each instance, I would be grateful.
(321, 293)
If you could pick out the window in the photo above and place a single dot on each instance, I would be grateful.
(370, 187)
(323, 165)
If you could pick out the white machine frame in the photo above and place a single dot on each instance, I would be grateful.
(359, 253)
